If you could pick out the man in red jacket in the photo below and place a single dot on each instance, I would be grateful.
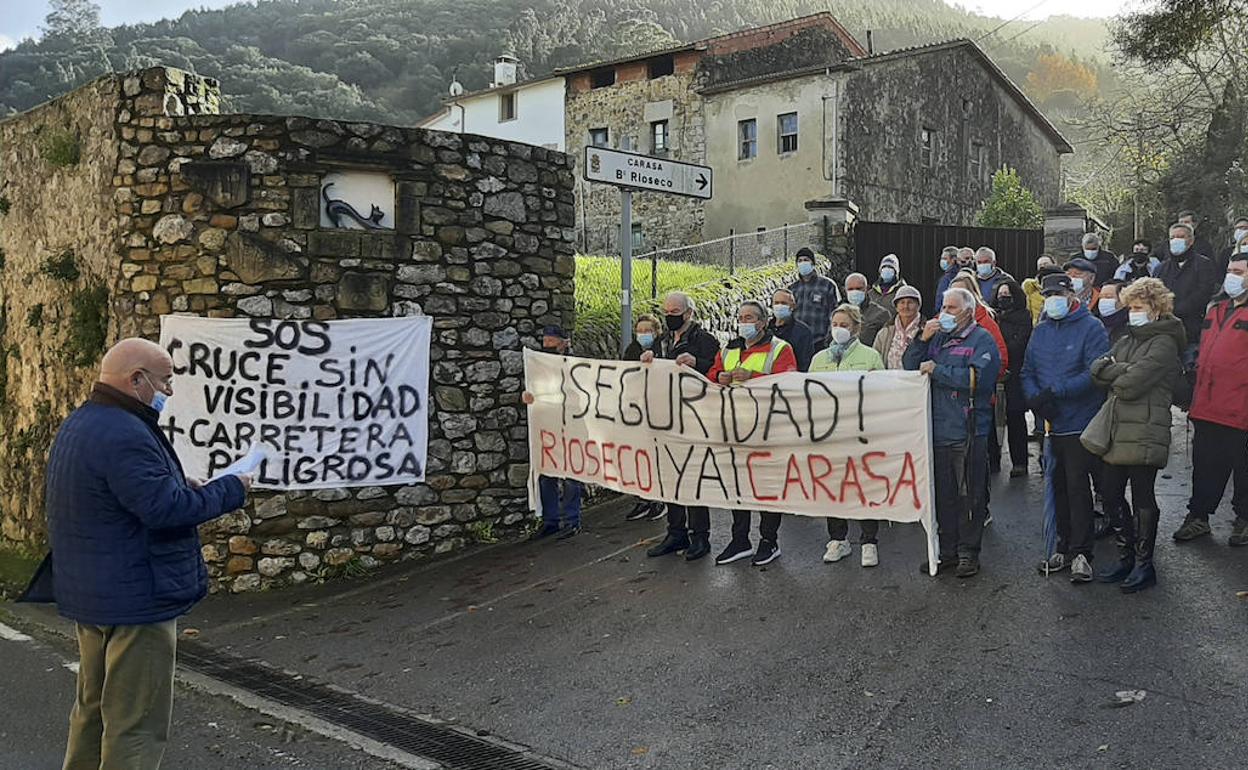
(1220, 410)
(755, 352)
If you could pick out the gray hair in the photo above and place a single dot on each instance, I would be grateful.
(991, 254)
(762, 311)
(1185, 228)
(856, 275)
(949, 251)
(685, 300)
(966, 250)
(968, 299)
(1091, 239)
(785, 292)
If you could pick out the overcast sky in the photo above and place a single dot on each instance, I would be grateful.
(22, 18)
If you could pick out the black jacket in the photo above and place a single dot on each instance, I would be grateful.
(1015, 326)
(1106, 263)
(800, 337)
(1193, 281)
(697, 342)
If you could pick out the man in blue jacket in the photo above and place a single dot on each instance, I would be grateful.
(126, 562)
(949, 267)
(1057, 383)
(963, 361)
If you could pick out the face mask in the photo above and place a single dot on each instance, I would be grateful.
(747, 331)
(158, 398)
(674, 322)
(948, 321)
(1178, 246)
(1005, 301)
(645, 339)
(1089, 253)
(805, 268)
(1243, 249)
(554, 351)
(1140, 257)
(944, 265)
(1138, 317)
(1107, 307)
(856, 296)
(888, 275)
(1240, 233)
(1077, 284)
(984, 269)
(1233, 284)
(783, 312)
(840, 335)
(1056, 307)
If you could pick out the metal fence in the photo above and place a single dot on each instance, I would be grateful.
(738, 251)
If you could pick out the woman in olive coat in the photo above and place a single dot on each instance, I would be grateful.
(1139, 373)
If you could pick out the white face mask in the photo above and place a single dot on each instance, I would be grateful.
(1107, 306)
(841, 335)
(1138, 317)
(1233, 284)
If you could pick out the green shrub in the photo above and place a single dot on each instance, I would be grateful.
(62, 267)
(88, 325)
(59, 147)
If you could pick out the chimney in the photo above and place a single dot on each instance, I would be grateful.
(505, 68)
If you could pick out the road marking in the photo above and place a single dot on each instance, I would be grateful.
(12, 634)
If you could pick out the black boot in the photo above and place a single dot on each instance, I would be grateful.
(699, 546)
(670, 544)
(1125, 542)
(1143, 575)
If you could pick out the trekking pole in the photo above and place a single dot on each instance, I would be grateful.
(969, 460)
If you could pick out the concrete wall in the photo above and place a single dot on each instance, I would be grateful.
(538, 121)
(770, 189)
(885, 105)
(218, 215)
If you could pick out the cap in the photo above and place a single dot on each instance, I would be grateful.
(805, 253)
(554, 331)
(891, 259)
(1055, 284)
(1079, 263)
(907, 292)
(1048, 270)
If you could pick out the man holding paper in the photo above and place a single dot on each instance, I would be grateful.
(122, 520)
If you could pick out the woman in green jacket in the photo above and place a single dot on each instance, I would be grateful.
(847, 354)
(1139, 373)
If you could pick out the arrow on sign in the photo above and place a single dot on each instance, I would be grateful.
(702, 181)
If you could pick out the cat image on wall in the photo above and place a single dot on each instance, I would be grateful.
(336, 209)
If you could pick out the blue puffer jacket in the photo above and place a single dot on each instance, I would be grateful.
(122, 519)
(955, 355)
(1059, 357)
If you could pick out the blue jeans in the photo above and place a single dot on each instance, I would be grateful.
(553, 503)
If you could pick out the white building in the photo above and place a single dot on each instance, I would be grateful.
(530, 112)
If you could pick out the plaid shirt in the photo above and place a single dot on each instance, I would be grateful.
(816, 299)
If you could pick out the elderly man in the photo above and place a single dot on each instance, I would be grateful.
(1082, 274)
(688, 344)
(1057, 382)
(1200, 243)
(963, 362)
(1106, 261)
(987, 274)
(874, 317)
(754, 352)
(1193, 279)
(816, 297)
(885, 289)
(949, 268)
(784, 324)
(122, 520)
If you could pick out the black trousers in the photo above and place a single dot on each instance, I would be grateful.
(683, 522)
(1016, 422)
(768, 526)
(1219, 453)
(961, 497)
(1072, 495)
(838, 529)
(1143, 480)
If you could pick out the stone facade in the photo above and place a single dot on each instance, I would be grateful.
(218, 215)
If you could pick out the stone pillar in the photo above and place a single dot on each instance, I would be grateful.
(1064, 228)
(835, 218)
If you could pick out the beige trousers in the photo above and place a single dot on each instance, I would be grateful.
(124, 703)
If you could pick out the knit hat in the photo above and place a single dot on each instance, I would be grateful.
(891, 259)
(804, 253)
(908, 292)
(554, 331)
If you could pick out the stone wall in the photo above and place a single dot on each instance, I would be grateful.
(219, 215)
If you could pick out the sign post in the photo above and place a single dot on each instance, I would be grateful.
(631, 171)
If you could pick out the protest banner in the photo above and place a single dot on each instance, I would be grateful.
(333, 403)
(856, 445)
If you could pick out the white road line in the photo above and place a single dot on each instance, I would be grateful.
(12, 634)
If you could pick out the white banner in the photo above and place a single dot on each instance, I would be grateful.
(333, 403)
(855, 445)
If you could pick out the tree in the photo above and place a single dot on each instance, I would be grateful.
(77, 20)
(1054, 76)
(1010, 204)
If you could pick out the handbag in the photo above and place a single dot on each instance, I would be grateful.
(1099, 435)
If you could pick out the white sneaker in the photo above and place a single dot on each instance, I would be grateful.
(837, 550)
(870, 555)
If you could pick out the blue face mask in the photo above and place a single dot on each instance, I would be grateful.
(948, 321)
(1056, 307)
(1089, 253)
(944, 265)
(856, 296)
(747, 330)
(1233, 284)
(984, 269)
(888, 274)
(1178, 246)
(782, 312)
(1076, 284)
(645, 339)
(805, 268)
(158, 402)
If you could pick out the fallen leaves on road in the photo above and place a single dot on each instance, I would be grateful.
(1129, 697)
(623, 701)
(1242, 594)
(640, 750)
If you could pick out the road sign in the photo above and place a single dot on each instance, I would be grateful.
(646, 172)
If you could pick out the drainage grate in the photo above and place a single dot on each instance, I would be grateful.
(451, 748)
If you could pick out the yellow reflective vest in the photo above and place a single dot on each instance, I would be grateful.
(757, 362)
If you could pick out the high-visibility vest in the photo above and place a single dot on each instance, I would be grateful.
(757, 362)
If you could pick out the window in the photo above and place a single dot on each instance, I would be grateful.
(786, 131)
(507, 106)
(747, 135)
(602, 78)
(658, 137)
(628, 143)
(927, 139)
(599, 137)
(977, 162)
(639, 239)
(660, 66)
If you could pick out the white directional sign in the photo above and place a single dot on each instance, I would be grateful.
(645, 172)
